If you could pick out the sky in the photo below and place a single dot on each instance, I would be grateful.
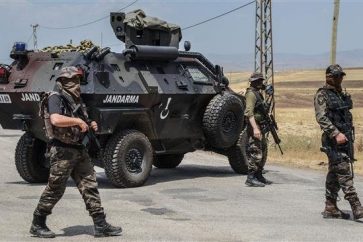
(299, 26)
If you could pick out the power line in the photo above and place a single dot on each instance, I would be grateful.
(218, 16)
(88, 23)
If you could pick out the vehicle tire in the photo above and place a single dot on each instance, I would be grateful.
(237, 155)
(168, 161)
(223, 120)
(128, 159)
(30, 160)
(241, 166)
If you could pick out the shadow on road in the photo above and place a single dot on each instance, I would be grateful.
(77, 230)
(186, 172)
(183, 172)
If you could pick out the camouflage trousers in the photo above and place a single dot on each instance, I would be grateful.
(340, 176)
(255, 151)
(66, 162)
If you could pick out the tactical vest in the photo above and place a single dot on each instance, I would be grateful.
(339, 106)
(260, 104)
(69, 135)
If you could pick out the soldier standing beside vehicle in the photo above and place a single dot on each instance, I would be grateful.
(257, 140)
(332, 111)
(68, 157)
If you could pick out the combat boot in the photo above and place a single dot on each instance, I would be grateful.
(39, 228)
(252, 181)
(332, 211)
(262, 179)
(357, 208)
(102, 228)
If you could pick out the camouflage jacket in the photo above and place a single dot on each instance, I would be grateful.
(332, 110)
(254, 101)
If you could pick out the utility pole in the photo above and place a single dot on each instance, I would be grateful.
(333, 51)
(35, 38)
(263, 41)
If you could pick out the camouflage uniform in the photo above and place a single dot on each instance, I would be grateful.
(340, 173)
(256, 146)
(255, 104)
(66, 162)
(332, 111)
(68, 157)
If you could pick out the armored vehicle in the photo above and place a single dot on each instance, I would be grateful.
(153, 103)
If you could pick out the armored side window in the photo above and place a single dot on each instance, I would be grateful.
(197, 75)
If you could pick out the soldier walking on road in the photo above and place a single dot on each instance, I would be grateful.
(257, 140)
(68, 157)
(332, 110)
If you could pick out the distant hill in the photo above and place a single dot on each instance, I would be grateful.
(238, 62)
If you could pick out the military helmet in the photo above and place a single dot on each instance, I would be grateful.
(70, 72)
(256, 76)
(334, 71)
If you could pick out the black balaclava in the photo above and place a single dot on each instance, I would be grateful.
(335, 81)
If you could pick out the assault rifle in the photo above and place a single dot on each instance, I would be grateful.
(344, 151)
(90, 140)
(269, 123)
(340, 152)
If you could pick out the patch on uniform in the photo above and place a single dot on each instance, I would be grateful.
(321, 99)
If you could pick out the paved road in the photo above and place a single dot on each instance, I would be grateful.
(202, 200)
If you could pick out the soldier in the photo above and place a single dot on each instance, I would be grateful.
(332, 111)
(68, 157)
(257, 140)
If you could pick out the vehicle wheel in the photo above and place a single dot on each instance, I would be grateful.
(243, 143)
(223, 120)
(128, 159)
(168, 161)
(30, 159)
(237, 155)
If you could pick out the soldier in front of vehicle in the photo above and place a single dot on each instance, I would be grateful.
(332, 111)
(68, 157)
(257, 140)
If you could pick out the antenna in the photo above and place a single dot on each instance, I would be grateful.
(35, 38)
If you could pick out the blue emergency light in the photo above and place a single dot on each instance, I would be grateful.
(19, 46)
(18, 51)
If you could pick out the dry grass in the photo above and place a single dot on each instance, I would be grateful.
(299, 131)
